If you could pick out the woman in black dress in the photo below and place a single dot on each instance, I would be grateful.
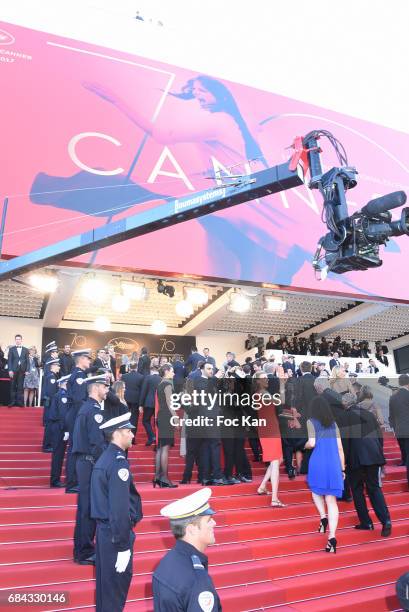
(164, 428)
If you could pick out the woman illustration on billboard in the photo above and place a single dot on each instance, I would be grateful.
(255, 240)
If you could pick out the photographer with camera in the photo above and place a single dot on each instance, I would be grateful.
(271, 344)
(381, 357)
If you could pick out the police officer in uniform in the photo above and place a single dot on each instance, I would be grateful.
(87, 446)
(181, 581)
(77, 394)
(58, 431)
(116, 507)
(50, 388)
(51, 352)
(402, 591)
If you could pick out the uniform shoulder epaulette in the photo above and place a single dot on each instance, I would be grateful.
(197, 564)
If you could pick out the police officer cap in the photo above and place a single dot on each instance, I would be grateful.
(81, 353)
(63, 379)
(402, 590)
(120, 422)
(52, 362)
(51, 347)
(99, 379)
(102, 371)
(196, 504)
(52, 343)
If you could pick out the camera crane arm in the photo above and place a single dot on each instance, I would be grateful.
(191, 206)
(351, 243)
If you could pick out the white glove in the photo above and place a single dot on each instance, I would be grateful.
(122, 561)
(66, 436)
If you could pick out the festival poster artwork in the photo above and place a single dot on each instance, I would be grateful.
(91, 135)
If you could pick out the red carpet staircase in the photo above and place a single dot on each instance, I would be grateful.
(265, 558)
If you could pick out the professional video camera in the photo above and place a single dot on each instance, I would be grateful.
(381, 347)
(254, 342)
(353, 241)
(384, 381)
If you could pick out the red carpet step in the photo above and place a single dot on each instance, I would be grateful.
(264, 559)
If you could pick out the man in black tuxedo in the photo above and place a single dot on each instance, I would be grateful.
(334, 361)
(18, 364)
(399, 418)
(102, 361)
(147, 400)
(144, 362)
(179, 370)
(133, 384)
(364, 459)
(304, 393)
(193, 359)
(66, 361)
(111, 356)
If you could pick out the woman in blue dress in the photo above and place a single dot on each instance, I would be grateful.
(326, 470)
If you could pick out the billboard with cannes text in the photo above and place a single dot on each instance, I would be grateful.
(90, 135)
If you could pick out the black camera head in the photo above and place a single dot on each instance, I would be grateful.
(166, 289)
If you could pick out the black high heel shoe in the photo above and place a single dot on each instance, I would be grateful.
(167, 484)
(155, 482)
(323, 525)
(331, 546)
(185, 481)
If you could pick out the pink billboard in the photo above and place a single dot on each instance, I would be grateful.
(91, 135)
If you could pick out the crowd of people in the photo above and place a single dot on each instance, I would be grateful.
(318, 421)
(323, 347)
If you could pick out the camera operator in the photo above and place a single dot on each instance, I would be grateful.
(324, 348)
(365, 351)
(381, 357)
(271, 344)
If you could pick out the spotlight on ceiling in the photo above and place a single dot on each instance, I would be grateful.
(251, 292)
(120, 303)
(196, 296)
(274, 303)
(94, 289)
(46, 282)
(184, 308)
(134, 290)
(158, 327)
(166, 289)
(239, 303)
(102, 324)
